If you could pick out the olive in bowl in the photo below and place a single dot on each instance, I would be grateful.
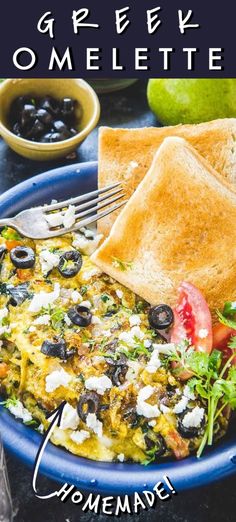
(45, 119)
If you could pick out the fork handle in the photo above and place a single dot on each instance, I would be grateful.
(6, 223)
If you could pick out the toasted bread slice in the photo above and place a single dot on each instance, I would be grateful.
(180, 224)
(126, 154)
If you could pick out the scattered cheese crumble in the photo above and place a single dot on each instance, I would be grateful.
(121, 457)
(70, 419)
(94, 424)
(181, 405)
(134, 320)
(119, 293)
(193, 418)
(79, 436)
(56, 379)
(86, 245)
(48, 261)
(19, 411)
(98, 384)
(43, 299)
(69, 217)
(154, 362)
(143, 408)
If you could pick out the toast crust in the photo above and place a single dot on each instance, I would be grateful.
(180, 224)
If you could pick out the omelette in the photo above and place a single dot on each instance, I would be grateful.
(69, 332)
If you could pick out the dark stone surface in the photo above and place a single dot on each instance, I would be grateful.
(214, 503)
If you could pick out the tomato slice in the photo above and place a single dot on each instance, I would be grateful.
(221, 337)
(192, 319)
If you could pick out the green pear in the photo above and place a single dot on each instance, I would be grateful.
(192, 100)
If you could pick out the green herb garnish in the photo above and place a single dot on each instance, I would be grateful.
(214, 384)
(228, 317)
(57, 317)
(105, 298)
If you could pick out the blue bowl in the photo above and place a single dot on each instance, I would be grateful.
(60, 465)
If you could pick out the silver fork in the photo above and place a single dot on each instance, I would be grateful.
(32, 223)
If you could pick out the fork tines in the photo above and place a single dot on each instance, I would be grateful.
(79, 199)
(89, 205)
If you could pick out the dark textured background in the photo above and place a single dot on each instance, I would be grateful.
(214, 503)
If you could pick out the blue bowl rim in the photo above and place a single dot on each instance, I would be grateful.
(58, 464)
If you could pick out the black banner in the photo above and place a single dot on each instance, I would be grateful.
(129, 38)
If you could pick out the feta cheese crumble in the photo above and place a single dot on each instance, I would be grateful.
(134, 320)
(19, 411)
(143, 408)
(166, 348)
(56, 379)
(181, 405)
(119, 293)
(42, 320)
(79, 436)
(164, 409)
(70, 419)
(54, 219)
(86, 245)
(3, 313)
(121, 457)
(48, 261)
(69, 217)
(87, 304)
(193, 418)
(98, 384)
(154, 362)
(94, 424)
(43, 299)
(76, 296)
(188, 393)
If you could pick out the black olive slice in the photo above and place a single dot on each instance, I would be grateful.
(89, 402)
(118, 374)
(27, 115)
(57, 348)
(70, 263)
(22, 257)
(112, 361)
(159, 445)
(160, 317)
(80, 315)
(18, 294)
